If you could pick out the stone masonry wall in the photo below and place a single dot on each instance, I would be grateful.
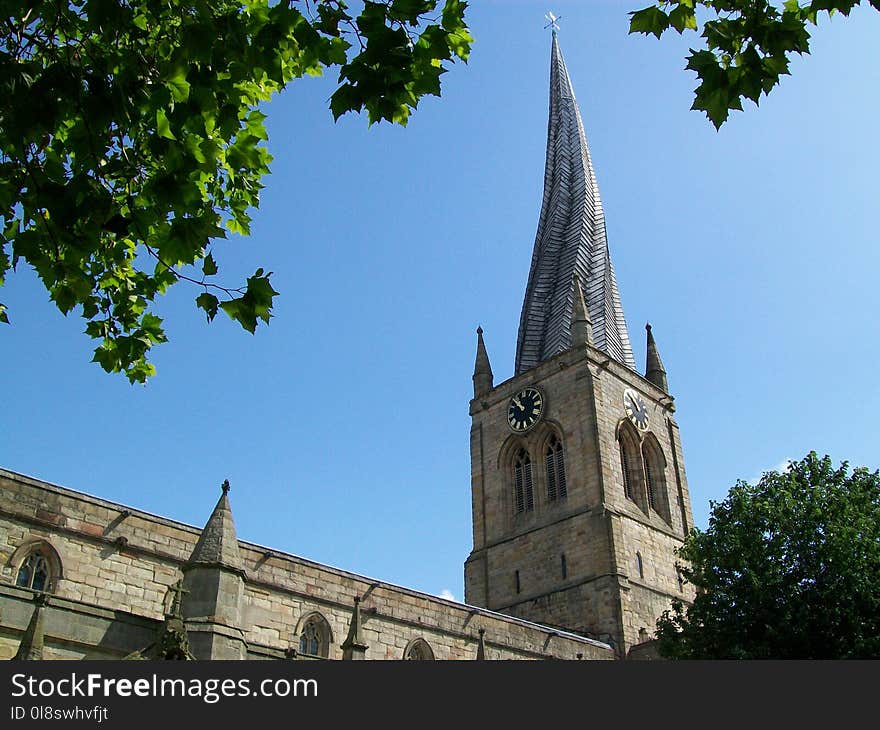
(597, 527)
(118, 588)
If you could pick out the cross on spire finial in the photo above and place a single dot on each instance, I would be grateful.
(553, 21)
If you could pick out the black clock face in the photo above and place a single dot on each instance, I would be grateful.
(636, 410)
(525, 409)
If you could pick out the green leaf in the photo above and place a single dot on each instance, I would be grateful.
(683, 18)
(178, 85)
(3, 316)
(650, 20)
(163, 127)
(152, 327)
(209, 303)
(254, 304)
(209, 266)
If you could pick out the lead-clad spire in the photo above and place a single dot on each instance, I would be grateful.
(570, 240)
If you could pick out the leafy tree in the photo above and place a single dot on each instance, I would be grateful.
(748, 43)
(131, 138)
(788, 568)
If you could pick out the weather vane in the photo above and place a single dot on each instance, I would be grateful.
(552, 24)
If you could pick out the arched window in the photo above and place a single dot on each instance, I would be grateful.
(34, 573)
(655, 477)
(36, 565)
(524, 494)
(418, 650)
(314, 637)
(631, 465)
(640, 565)
(555, 461)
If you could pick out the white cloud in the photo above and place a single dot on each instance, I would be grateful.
(780, 467)
(447, 594)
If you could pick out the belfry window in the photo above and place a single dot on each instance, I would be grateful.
(524, 494)
(626, 467)
(631, 466)
(649, 479)
(34, 573)
(655, 480)
(555, 461)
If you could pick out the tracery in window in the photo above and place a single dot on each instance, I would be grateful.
(419, 650)
(34, 573)
(36, 565)
(314, 638)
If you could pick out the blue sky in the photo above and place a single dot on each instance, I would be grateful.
(343, 426)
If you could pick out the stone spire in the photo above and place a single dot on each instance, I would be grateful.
(31, 646)
(354, 646)
(581, 326)
(218, 543)
(570, 239)
(654, 370)
(483, 378)
(213, 589)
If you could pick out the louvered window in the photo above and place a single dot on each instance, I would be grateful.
(555, 460)
(649, 478)
(627, 474)
(523, 487)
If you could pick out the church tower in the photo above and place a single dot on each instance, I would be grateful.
(579, 495)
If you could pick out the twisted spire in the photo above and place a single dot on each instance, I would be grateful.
(570, 239)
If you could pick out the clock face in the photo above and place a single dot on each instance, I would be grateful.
(525, 409)
(636, 410)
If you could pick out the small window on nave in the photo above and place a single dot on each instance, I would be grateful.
(419, 650)
(37, 566)
(314, 639)
(34, 573)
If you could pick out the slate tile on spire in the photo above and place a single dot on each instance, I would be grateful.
(570, 239)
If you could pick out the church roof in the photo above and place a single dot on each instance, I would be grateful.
(570, 240)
